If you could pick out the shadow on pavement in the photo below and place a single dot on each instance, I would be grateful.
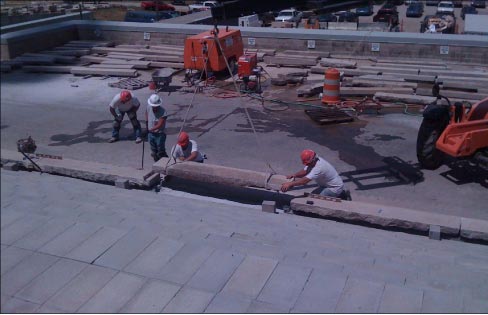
(395, 172)
(463, 172)
(90, 134)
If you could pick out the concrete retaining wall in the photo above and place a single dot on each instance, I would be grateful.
(462, 48)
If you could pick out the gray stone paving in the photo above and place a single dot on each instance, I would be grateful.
(133, 251)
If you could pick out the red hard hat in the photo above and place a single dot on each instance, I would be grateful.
(183, 139)
(125, 96)
(307, 156)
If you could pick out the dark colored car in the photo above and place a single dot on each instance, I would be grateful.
(457, 3)
(388, 13)
(468, 10)
(432, 2)
(178, 2)
(395, 2)
(146, 16)
(365, 11)
(328, 17)
(415, 10)
(478, 3)
(156, 6)
(347, 16)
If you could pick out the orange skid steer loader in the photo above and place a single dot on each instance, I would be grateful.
(454, 130)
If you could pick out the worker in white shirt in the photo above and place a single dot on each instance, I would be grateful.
(186, 149)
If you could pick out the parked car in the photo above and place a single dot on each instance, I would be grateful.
(365, 11)
(415, 10)
(156, 6)
(328, 17)
(346, 16)
(388, 13)
(432, 2)
(205, 5)
(178, 2)
(445, 7)
(457, 3)
(146, 16)
(478, 3)
(395, 2)
(468, 10)
(289, 15)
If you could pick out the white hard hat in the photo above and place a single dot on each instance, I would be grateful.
(154, 100)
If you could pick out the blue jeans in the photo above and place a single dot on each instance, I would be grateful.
(324, 191)
(157, 141)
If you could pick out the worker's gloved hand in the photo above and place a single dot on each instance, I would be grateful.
(290, 176)
(118, 117)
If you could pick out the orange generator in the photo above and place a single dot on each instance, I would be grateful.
(246, 64)
(202, 46)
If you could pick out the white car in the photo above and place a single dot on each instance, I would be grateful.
(289, 15)
(445, 7)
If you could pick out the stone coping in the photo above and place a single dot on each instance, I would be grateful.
(302, 34)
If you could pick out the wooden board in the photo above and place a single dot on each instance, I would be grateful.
(48, 69)
(104, 72)
(292, 62)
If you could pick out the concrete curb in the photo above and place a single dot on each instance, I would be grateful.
(351, 211)
(92, 171)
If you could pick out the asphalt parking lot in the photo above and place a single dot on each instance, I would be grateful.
(412, 24)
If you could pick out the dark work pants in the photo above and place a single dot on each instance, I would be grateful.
(157, 141)
(132, 114)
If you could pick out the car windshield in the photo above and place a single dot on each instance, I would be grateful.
(286, 13)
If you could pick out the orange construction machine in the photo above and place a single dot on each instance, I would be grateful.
(454, 130)
(209, 51)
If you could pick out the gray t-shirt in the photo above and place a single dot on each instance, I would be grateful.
(178, 151)
(117, 104)
(325, 175)
(152, 118)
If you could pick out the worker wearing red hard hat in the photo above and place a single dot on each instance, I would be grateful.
(319, 170)
(125, 103)
(186, 149)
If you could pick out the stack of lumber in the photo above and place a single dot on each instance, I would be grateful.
(410, 81)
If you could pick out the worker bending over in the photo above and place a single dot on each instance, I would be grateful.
(122, 103)
(318, 169)
(156, 123)
(186, 149)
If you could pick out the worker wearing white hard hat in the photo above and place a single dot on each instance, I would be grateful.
(156, 123)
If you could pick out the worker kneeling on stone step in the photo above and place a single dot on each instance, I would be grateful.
(186, 149)
(318, 169)
(125, 103)
(156, 122)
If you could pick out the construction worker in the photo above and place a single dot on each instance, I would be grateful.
(318, 169)
(156, 122)
(186, 149)
(122, 103)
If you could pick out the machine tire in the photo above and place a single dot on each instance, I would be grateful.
(233, 65)
(428, 155)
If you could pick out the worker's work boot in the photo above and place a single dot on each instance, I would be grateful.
(138, 140)
(113, 139)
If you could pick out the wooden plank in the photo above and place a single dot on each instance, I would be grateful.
(409, 66)
(111, 66)
(138, 64)
(104, 71)
(57, 58)
(162, 64)
(453, 94)
(92, 42)
(285, 61)
(124, 57)
(412, 99)
(93, 59)
(280, 55)
(337, 63)
(164, 58)
(427, 62)
(360, 72)
(48, 69)
(76, 53)
(381, 78)
(452, 73)
(314, 53)
(465, 87)
(36, 60)
(355, 57)
(371, 91)
(106, 50)
(268, 52)
(377, 83)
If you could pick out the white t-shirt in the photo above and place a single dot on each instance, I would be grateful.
(325, 175)
(191, 147)
(117, 104)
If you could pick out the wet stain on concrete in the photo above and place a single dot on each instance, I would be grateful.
(383, 137)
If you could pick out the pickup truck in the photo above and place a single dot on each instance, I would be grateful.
(289, 15)
(205, 5)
